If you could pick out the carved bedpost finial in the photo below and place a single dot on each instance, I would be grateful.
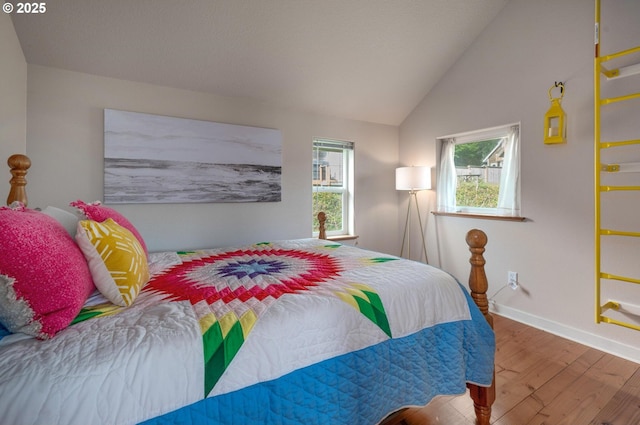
(19, 165)
(322, 218)
(478, 284)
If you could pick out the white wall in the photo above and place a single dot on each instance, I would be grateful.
(65, 144)
(13, 98)
(503, 78)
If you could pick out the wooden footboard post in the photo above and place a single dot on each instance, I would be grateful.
(19, 165)
(322, 218)
(483, 397)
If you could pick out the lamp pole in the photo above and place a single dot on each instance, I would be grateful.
(413, 196)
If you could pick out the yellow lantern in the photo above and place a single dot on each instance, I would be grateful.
(555, 123)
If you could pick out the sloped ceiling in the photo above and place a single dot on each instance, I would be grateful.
(370, 60)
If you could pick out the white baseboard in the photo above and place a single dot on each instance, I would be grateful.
(585, 338)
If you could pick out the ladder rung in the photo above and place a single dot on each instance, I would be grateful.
(609, 100)
(605, 145)
(620, 278)
(620, 54)
(618, 188)
(609, 232)
(609, 320)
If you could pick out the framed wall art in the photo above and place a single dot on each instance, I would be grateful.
(158, 159)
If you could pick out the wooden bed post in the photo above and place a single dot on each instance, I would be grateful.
(483, 397)
(322, 218)
(19, 165)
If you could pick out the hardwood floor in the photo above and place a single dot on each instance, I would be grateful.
(542, 379)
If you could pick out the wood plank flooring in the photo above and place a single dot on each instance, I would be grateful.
(543, 379)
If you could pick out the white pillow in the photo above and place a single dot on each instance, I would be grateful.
(68, 220)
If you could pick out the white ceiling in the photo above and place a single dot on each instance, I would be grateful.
(370, 60)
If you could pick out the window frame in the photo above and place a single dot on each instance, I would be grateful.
(445, 203)
(347, 188)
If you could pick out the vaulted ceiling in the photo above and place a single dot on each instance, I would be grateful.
(370, 60)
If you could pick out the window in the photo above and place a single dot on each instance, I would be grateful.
(479, 172)
(332, 183)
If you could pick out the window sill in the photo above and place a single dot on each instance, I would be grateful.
(338, 238)
(480, 216)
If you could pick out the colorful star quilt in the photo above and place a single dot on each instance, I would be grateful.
(230, 290)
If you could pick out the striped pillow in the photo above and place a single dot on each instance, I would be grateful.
(98, 212)
(116, 259)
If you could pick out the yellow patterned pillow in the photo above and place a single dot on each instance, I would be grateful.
(116, 259)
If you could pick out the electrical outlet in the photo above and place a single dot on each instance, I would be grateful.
(513, 280)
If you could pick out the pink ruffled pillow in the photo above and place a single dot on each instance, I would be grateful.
(44, 277)
(97, 212)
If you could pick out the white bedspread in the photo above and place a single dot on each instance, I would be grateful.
(148, 359)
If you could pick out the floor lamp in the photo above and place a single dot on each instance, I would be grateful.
(413, 179)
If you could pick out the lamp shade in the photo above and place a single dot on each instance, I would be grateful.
(413, 178)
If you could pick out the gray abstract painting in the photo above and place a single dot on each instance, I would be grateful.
(158, 159)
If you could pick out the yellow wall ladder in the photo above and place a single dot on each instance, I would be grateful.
(599, 71)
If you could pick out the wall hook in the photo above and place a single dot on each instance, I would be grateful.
(557, 84)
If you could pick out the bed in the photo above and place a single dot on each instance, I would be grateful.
(277, 332)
